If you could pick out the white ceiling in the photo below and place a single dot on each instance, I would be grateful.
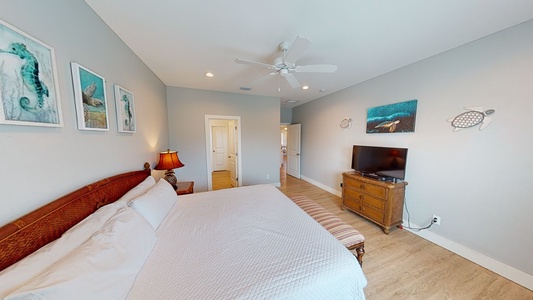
(182, 40)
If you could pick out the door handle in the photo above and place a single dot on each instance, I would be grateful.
(297, 154)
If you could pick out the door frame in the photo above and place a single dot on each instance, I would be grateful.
(209, 147)
(293, 154)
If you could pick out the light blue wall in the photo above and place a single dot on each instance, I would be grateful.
(260, 117)
(477, 181)
(286, 115)
(40, 164)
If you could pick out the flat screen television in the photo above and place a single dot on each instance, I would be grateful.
(384, 163)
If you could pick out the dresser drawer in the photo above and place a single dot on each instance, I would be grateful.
(369, 200)
(372, 213)
(351, 202)
(372, 189)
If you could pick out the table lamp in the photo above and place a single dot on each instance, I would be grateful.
(169, 160)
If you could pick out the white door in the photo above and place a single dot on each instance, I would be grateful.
(293, 150)
(232, 158)
(214, 120)
(220, 137)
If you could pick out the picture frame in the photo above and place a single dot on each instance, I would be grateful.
(90, 99)
(29, 85)
(392, 118)
(124, 102)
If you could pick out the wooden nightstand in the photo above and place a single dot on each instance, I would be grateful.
(185, 187)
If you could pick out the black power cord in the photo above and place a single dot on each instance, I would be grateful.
(417, 229)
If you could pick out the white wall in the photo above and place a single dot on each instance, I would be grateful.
(40, 164)
(477, 181)
(260, 117)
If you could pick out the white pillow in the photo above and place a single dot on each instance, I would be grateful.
(16, 275)
(156, 203)
(34, 264)
(140, 189)
(104, 267)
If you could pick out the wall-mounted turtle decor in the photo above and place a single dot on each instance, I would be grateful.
(346, 123)
(472, 117)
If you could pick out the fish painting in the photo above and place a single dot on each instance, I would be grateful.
(397, 117)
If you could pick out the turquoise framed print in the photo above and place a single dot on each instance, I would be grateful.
(90, 98)
(392, 118)
(29, 88)
(125, 110)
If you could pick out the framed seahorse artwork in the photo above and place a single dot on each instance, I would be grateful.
(125, 110)
(29, 86)
(392, 118)
(90, 99)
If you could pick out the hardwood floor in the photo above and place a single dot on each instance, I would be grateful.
(221, 180)
(402, 265)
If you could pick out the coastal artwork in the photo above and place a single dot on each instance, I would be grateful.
(397, 117)
(89, 94)
(29, 90)
(125, 110)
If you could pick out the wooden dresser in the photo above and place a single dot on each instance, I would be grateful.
(379, 201)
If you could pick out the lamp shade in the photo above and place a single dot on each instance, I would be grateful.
(169, 160)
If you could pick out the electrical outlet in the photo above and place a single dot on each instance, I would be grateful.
(436, 220)
(268, 176)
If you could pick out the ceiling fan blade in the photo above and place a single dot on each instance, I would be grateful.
(263, 78)
(254, 63)
(293, 82)
(316, 69)
(297, 49)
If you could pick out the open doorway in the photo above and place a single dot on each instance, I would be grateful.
(223, 140)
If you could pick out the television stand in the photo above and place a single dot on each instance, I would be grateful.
(376, 200)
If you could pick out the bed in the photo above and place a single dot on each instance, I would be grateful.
(128, 237)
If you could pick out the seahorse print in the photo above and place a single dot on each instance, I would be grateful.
(30, 76)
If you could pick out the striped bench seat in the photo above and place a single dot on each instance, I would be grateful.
(346, 234)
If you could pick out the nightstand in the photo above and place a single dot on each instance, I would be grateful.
(185, 187)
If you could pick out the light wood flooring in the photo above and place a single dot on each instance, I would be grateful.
(402, 265)
(221, 180)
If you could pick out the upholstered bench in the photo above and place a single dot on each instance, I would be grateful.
(346, 234)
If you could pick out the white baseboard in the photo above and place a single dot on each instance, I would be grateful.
(495, 266)
(320, 185)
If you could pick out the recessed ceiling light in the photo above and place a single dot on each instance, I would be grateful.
(305, 87)
(209, 74)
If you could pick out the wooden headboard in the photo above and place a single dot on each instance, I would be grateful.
(25, 235)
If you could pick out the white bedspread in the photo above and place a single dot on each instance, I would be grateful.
(246, 243)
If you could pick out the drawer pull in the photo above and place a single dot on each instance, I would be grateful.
(362, 197)
(362, 186)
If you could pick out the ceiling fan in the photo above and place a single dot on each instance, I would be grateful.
(286, 65)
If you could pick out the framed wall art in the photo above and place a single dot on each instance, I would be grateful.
(89, 95)
(397, 117)
(29, 89)
(125, 110)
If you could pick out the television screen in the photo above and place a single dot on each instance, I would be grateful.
(382, 162)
